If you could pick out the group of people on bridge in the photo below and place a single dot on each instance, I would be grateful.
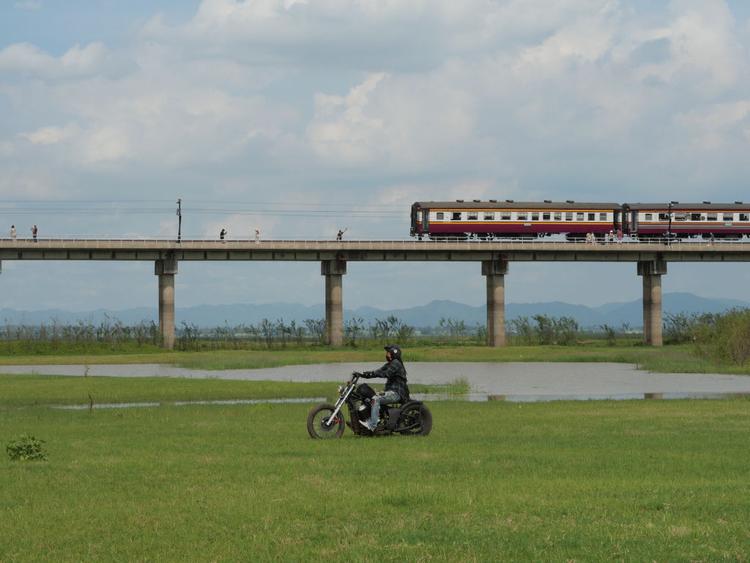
(14, 233)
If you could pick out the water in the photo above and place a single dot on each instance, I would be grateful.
(512, 381)
(187, 403)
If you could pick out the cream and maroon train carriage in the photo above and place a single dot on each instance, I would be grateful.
(510, 219)
(687, 220)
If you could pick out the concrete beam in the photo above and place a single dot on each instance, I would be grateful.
(166, 270)
(495, 271)
(333, 270)
(652, 272)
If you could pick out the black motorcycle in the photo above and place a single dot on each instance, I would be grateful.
(411, 418)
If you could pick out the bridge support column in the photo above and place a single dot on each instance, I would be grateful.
(333, 270)
(166, 270)
(652, 272)
(495, 271)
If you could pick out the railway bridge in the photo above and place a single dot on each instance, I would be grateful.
(651, 260)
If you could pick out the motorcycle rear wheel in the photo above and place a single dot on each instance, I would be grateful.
(318, 425)
(416, 418)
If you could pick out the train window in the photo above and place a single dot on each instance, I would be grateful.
(695, 217)
(456, 216)
(505, 216)
(535, 216)
(712, 216)
(489, 216)
(522, 216)
(592, 216)
(579, 216)
(728, 217)
(744, 217)
(602, 216)
(472, 216)
(439, 216)
(558, 216)
(663, 217)
(648, 217)
(545, 216)
(568, 216)
(680, 217)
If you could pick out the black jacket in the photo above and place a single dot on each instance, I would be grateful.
(395, 374)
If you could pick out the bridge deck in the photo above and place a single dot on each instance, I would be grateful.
(371, 250)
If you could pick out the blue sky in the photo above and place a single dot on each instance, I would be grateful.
(300, 118)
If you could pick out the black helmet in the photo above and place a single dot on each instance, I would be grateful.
(394, 349)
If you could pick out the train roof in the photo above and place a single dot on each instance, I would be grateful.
(705, 206)
(510, 204)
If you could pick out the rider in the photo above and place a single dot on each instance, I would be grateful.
(396, 389)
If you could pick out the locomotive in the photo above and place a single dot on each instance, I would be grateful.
(461, 220)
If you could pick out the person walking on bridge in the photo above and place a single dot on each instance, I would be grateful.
(34, 232)
(222, 234)
(13, 233)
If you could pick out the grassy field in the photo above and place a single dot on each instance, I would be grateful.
(656, 480)
(674, 359)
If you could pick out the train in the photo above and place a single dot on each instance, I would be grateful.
(493, 219)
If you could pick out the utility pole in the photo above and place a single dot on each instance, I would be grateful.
(179, 219)
(669, 228)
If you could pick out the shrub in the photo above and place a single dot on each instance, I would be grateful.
(725, 337)
(26, 448)
(610, 334)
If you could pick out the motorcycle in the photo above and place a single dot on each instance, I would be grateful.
(411, 418)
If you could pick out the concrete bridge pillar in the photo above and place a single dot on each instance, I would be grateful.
(495, 271)
(333, 270)
(166, 270)
(652, 271)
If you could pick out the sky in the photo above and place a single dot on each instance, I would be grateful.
(302, 117)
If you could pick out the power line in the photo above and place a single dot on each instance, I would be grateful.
(276, 209)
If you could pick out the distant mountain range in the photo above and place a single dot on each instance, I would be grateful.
(613, 314)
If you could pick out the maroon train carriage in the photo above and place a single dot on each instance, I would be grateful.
(687, 220)
(459, 219)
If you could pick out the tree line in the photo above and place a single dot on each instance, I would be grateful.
(722, 337)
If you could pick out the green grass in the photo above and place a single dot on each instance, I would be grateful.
(34, 390)
(674, 359)
(635, 480)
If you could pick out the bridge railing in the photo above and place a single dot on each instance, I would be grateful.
(364, 240)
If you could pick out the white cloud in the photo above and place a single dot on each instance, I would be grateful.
(106, 144)
(50, 135)
(77, 61)
(28, 184)
(703, 43)
(719, 126)
(28, 5)
(342, 129)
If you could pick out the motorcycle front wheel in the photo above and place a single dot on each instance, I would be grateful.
(320, 425)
